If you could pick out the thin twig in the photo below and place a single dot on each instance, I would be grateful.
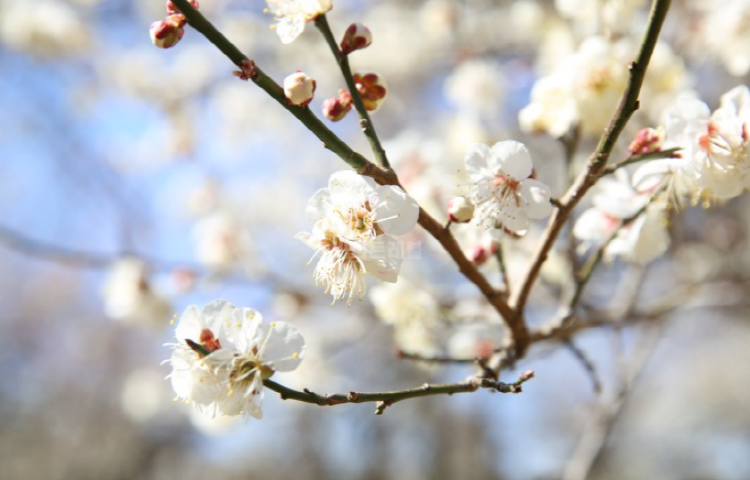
(586, 363)
(386, 399)
(669, 153)
(502, 267)
(343, 60)
(594, 438)
(598, 160)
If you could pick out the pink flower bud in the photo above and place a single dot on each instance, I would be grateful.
(299, 88)
(648, 140)
(166, 33)
(372, 88)
(334, 109)
(356, 37)
(171, 8)
(460, 210)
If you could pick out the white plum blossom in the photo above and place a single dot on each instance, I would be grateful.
(353, 223)
(127, 294)
(641, 240)
(223, 355)
(584, 88)
(714, 163)
(504, 191)
(478, 87)
(291, 15)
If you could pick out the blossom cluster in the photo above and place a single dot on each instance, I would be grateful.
(224, 353)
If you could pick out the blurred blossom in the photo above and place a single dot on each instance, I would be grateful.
(221, 242)
(291, 15)
(43, 27)
(477, 86)
(725, 32)
(477, 340)
(144, 395)
(600, 15)
(128, 295)
(641, 240)
(414, 314)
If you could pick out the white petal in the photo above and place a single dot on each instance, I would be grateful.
(288, 28)
(382, 259)
(686, 120)
(284, 348)
(537, 197)
(319, 206)
(190, 325)
(476, 160)
(350, 187)
(398, 211)
(512, 158)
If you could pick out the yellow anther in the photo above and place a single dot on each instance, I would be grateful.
(295, 355)
(273, 324)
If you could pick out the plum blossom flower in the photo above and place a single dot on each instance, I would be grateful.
(505, 194)
(353, 220)
(714, 162)
(361, 208)
(641, 240)
(127, 294)
(291, 16)
(223, 355)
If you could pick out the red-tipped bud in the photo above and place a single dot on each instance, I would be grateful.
(372, 88)
(171, 8)
(460, 210)
(166, 33)
(299, 89)
(356, 37)
(527, 375)
(334, 109)
(648, 140)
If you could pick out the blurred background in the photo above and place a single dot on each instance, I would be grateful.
(136, 181)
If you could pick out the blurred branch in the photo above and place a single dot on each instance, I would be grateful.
(598, 160)
(343, 60)
(83, 259)
(384, 400)
(594, 438)
(587, 364)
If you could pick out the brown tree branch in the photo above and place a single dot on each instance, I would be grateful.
(598, 160)
(384, 400)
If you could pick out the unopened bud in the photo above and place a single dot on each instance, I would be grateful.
(460, 210)
(527, 375)
(356, 37)
(648, 140)
(299, 89)
(171, 8)
(372, 88)
(482, 253)
(166, 33)
(334, 109)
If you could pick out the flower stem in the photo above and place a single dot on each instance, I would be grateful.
(364, 117)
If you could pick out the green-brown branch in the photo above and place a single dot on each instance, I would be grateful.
(384, 400)
(598, 161)
(343, 60)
